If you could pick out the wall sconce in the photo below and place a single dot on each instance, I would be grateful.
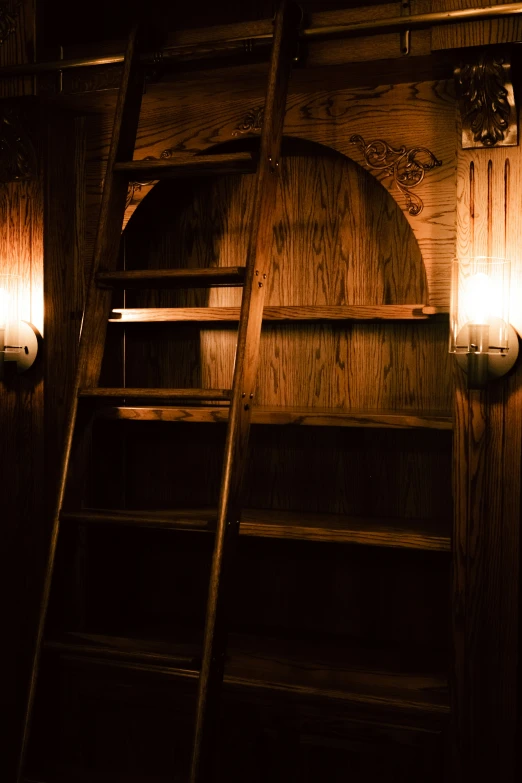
(18, 339)
(484, 343)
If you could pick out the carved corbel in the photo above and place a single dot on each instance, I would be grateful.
(486, 102)
(18, 158)
(7, 20)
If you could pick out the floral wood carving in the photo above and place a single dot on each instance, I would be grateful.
(7, 20)
(407, 167)
(18, 160)
(486, 102)
(252, 122)
(135, 187)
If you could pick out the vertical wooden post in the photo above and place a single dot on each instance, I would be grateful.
(487, 488)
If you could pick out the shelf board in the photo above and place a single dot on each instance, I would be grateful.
(314, 417)
(375, 679)
(424, 534)
(395, 312)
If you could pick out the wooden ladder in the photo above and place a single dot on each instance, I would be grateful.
(121, 170)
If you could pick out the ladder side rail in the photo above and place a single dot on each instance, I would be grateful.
(247, 354)
(97, 306)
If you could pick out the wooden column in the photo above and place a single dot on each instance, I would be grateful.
(487, 487)
(21, 397)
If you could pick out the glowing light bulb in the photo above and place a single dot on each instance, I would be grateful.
(478, 298)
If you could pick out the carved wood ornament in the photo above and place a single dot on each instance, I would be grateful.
(252, 122)
(135, 187)
(407, 167)
(18, 160)
(7, 20)
(486, 102)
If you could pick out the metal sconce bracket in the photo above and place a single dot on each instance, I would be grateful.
(483, 366)
(24, 358)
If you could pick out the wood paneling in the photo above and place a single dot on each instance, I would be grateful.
(487, 491)
(494, 31)
(413, 115)
(21, 445)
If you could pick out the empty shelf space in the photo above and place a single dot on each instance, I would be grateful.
(360, 677)
(276, 313)
(425, 534)
(187, 166)
(174, 278)
(163, 394)
(314, 417)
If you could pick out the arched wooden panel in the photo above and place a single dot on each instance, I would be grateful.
(354, 244)
(339, 238)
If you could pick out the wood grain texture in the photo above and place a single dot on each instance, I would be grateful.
(317, 260)
(312, 417)
(494, 31)
(21, 402)
(18, 48)
(281, 313)
(487, 522)
(420, 114)
(92, 336)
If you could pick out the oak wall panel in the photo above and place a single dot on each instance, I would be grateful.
(410, 115)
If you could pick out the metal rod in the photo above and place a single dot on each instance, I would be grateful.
(205, 50)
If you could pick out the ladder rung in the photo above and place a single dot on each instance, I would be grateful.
(191, 519)
(198, 165)
(174, 278)
(161, 394)
(149, 656)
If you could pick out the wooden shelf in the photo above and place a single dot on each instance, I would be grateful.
(336, 528)
(313, 417)
(378, 680)
(408, 312)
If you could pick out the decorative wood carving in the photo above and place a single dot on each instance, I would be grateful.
(252, 122)
(135, 187)
(405, 166)
(92, 79)
(18, 160)
(487, 103)
(7, 20)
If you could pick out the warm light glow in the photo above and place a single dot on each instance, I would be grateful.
(3, 308)
(478, 298)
